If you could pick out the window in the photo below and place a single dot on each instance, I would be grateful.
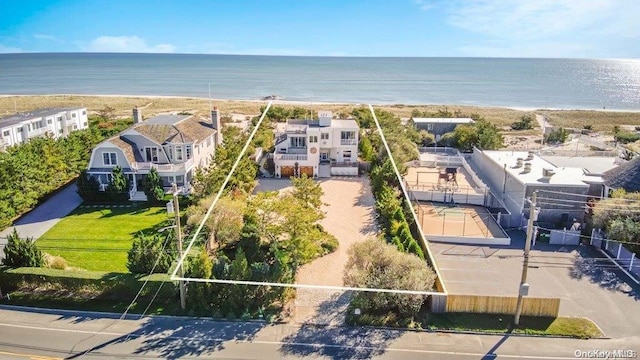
(60, 131)
(188, 151)
(346, 155)
(75, 127)
(19, 129)
(151, 154)
(84, 112)
(347, 135)
(313, 139)
(109, 158)
(59, 118)
(49, 121)
(324, 136)
(170, 153)
(429, 127)
(84, 124)
(179, 153)
(298, 142)
(6, 133)
(73, 115)
(324, 155)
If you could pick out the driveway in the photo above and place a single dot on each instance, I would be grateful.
(39, 220)
(350, 217)
(588, 284)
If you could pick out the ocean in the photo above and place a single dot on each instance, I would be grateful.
(519, 83)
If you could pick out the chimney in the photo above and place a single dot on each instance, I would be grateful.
(527, 167)
(137, 115)
(216, 124)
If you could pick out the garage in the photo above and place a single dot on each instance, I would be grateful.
(306, 170)
(286, 171)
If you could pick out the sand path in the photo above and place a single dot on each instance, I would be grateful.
(350, 218)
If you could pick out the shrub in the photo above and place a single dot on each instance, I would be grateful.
(54, 262)
(118, 189)
(557, 136)
(21, 252)
(626, 137)
(153, 186)
(524, 123)
(88, 186)
(144, 253)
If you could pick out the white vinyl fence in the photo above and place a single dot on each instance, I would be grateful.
(625, 258)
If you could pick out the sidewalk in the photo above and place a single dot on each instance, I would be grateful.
(39, 220)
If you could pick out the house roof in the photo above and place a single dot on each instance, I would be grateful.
(625, 176)
(569, 176)
(175, 129)
(443, 120)
(128, 148)
(593, 165)
(15, 119)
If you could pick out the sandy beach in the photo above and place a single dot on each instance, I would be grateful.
(600, 119)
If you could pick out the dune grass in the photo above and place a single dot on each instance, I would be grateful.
(99, 238)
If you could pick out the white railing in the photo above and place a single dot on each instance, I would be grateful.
(132, 193)
(296, 157)
(348, 142)
(162, 167)
(36, 132)
(344, 164)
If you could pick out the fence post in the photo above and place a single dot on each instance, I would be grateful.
(593, 234)
(464, 224)
(619, 250)
(564, 236)
(606, 244)
(633, 256)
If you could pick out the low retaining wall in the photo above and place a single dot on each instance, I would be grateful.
(543, 307)
(344, 171)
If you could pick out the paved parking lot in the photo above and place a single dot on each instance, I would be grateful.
(585, 281)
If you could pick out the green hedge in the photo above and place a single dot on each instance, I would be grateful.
(106, 285)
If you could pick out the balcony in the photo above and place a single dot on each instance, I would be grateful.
(294, 157)
(344, 164)
(348, 142)
(146, 166)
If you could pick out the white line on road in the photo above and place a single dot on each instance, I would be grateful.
(282, 343)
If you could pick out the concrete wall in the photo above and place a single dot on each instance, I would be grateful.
(551, 204)
(344, 171)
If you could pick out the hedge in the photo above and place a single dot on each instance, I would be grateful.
(109, 285)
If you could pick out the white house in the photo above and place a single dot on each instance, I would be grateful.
(318, 148)
(19, 128)
(175, 145)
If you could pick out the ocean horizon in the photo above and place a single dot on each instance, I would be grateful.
(529, 83)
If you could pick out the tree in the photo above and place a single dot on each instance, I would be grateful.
(88, 186)
(146, 250)
(118, 188)
(426, 138)
(199, 293)
(619, 216)
(374, 264)
(481, 134)
(559, 135)
(307, 191)
(153, 186)
(524, 123)
(107, 113)
(366, 149)
(21, 252)
(225, 222)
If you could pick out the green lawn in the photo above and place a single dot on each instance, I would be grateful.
(99, 238)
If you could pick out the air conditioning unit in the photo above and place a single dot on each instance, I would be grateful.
(548, 173)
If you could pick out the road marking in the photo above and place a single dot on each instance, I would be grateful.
(283, 343)
(33, 357)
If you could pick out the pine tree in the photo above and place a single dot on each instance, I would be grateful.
(153, 186)
(21, 252)
(119, 186)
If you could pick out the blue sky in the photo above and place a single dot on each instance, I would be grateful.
(483, 28)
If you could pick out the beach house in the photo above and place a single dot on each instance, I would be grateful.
(174, 145)
(55, 123)
(319, 147)
(564, 183)
(440, 126)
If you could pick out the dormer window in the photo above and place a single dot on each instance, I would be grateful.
(151, 154)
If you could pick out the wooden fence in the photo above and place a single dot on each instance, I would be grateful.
(545, 307)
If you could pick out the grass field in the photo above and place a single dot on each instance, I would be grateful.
(98, 239)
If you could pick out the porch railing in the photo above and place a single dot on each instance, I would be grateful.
(348, 142)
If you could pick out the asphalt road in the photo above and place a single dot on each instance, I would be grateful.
(55, 334)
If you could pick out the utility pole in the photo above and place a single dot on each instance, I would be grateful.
(524, 287)
(176, 213)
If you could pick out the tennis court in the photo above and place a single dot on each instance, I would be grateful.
(458, 220)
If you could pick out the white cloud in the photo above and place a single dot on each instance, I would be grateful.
(48, 38)
(424, 5)
(9, 49)
(131, 44)
(546, 28)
